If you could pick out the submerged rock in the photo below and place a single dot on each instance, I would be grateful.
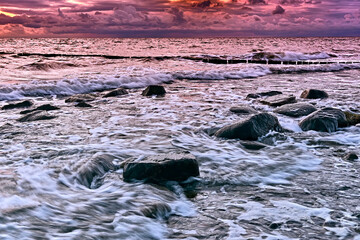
(23, 104)
(313, 94)
(296, 109)
(36, 116)
(251, 128)
(154, 90)
(116, 92)
(81, 98)
(243, 110)
(253, 145)
(324, 120)
(168, 167)
(351, 156)
(278, 100)
(157, 210)
(45, 107)
(263, 94)
(83, 105)
(352, 118)
(95, 168)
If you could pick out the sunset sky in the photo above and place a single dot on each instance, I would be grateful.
(178, 18)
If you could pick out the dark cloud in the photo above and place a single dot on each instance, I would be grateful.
(178, 15)
(278, 10)
(255, 2)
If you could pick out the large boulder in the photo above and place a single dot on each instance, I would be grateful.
(159, 168)
(243, 110)
(352, 118)
(116, 92)
(154, 90)
(296, 109)
(250, 128)
(36, 116)
(278, 100)
(324, 120)
(23, 104)
(313, 94)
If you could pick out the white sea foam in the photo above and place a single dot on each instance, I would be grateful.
(287, 56)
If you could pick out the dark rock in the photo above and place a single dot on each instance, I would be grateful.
(45, 107)
(296, 109)
(159, 168)
(324, 120)
(95, 169)
(252, 145)
(263, 94)
(157, 210)
(81, 98)
(23, 104)
(313, 94)
(275, 225)
(116, 92)
(251, 128)
(352, 118)
(36, 116)
(83, 105)
(154, 90)
(243, 110)
(276, 101)
(351, 156)
(211, 131)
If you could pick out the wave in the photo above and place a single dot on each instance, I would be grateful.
(146, 77)
(288, 56)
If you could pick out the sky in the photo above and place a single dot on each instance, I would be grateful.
(179, 18)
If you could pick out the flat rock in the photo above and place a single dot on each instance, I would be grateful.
(154, 90)
(263, 94)
(36, 116)
(81, 98)
(45, 107)
(168, 167)
(116, 92)
(296, 109)
(314, 94)
(250, 128)
(23, 104)
(324, 120)
(352, 118)
(278, 100)
(83, 105)
(243, 110)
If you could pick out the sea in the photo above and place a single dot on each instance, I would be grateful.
(299, 185)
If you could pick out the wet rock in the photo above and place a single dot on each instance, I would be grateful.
(116, 92)
(95, 169)
(81, 98)
(157, 210)
(352, 118)
(23, 104)
(275, 225)
(251, 128)
(45, 107)
(313, 94)
(351, 156)
(324, 120)
(83, 105)
(243, 110)
(263, 94)
(211, 131)
(252, 145)
(36, 116)
(159, 168)
(278, 100)
(296, 109)
(154, 90)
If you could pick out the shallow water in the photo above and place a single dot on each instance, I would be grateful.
(298, 187)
